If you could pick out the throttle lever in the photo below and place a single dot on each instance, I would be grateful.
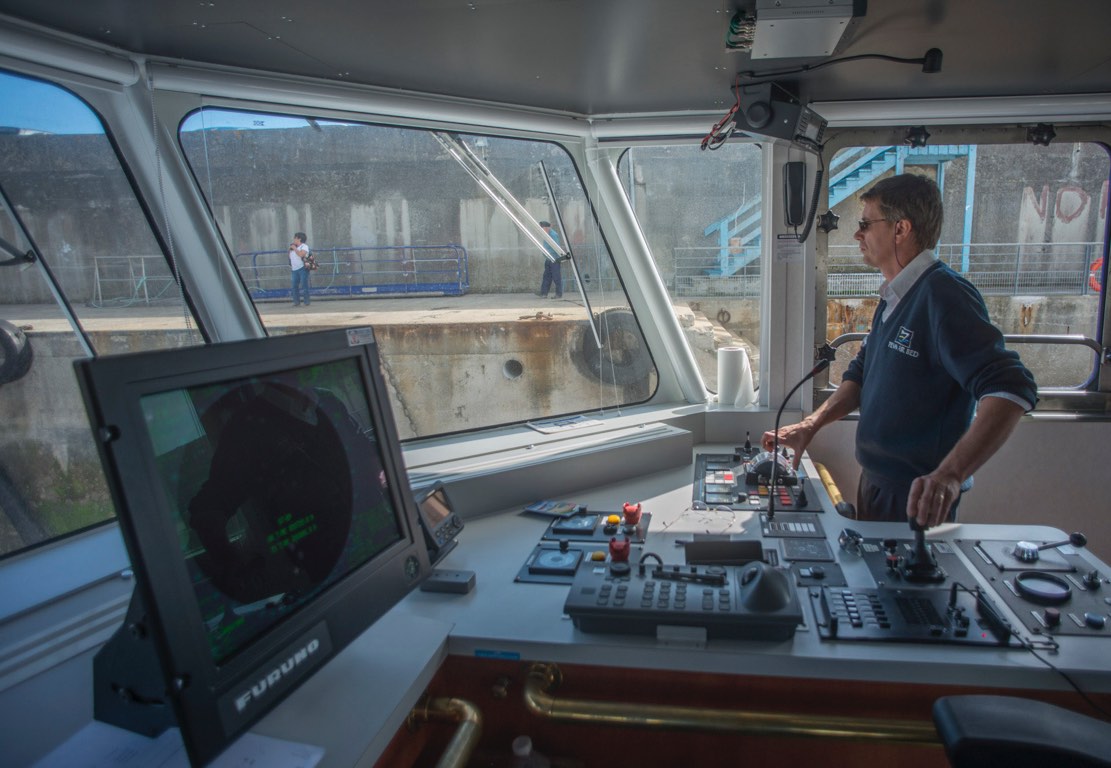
(1027, 551)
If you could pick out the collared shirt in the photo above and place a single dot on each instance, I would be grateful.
(893, 290)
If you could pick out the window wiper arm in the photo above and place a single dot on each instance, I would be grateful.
(517, 213)
(16, 257)
(553, 251)
(570, 254)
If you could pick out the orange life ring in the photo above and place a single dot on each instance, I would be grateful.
(1095, 272)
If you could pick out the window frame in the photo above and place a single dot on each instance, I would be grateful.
(766, 265)
(575, 146)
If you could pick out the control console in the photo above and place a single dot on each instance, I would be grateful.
(755, 601)
(927, 615)
(741, 480)
(1049, 586)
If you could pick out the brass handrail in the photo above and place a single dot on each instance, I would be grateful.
(830, 486)
(543, 678)
(467, 715)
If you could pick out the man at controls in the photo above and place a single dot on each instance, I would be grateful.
(937, 390)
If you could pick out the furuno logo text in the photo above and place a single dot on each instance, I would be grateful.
(271, 679)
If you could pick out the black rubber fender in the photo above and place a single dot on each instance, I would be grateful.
(16, 352)
(623, 358)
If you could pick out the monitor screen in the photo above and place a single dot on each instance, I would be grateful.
(441, 524)
(262, 496)
(435, 508)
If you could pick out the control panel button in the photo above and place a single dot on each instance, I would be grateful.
(1095, 620)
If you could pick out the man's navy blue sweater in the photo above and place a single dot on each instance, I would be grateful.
(922, 371)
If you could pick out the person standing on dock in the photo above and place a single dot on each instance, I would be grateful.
(552, 277)
(299, 275)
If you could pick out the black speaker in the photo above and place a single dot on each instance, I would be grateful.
(769, 110)
(756, 106)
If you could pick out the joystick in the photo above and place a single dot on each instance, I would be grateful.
(920, 566)
(744, 453)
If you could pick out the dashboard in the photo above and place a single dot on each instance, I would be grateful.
(858, 600)
(810, 596)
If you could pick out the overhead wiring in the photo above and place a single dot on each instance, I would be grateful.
(724, 127)
(931, 63)
(741, 32)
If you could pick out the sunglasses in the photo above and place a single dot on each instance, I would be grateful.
(863, 224)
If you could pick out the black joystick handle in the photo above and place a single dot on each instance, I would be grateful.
(922, 556)
(920, 563)
(1076, 539)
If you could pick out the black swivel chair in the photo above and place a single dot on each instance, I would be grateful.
(1005, 731)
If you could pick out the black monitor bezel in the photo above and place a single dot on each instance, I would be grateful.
(201, 691)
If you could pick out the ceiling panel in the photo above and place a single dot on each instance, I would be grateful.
(604, 56)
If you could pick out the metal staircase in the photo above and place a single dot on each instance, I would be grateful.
(738, 234)
(858, 167)
(738, 239)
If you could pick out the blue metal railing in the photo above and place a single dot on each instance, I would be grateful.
(362, 270)
(691, 277)
(1007, 269)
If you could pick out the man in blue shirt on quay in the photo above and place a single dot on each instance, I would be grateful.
(938, 391)
(552, 277)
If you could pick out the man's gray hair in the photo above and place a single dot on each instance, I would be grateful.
(914, 198)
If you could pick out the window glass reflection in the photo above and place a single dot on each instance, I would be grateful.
(406, 239)
(83, 274)
(701, 214)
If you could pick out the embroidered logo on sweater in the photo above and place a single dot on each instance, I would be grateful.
(902, 342)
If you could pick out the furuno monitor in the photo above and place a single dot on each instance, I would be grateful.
(266, 510)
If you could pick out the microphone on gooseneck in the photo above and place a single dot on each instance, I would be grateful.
(826, 355)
